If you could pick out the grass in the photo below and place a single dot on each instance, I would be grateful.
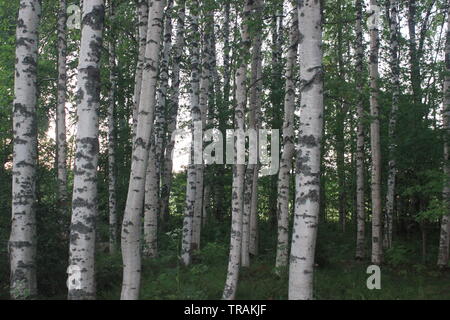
(337, 276)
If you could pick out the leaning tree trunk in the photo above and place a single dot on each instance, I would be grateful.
(22, 241)
(142, 15)
(131, 226)
(288, 147)
(360, 207)
(307, 191)
(445, 223)
(172, 113)
(61, 144)
(188, 221)
(231, 283)
(112, 178)
(85, 201)
(375, 136)
(395, 70)
(152, 180)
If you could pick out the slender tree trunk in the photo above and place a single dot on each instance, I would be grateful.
(152, 180)
(172, 113)
(188, 221)
(61, 144)
(255, 102)
(85, 201)
(255, 117)
(205, 84)
(360, 206)
(395, 69)
(413, 54)
(142, 14)
(231, 283)
(112, 173)
(22, 241)
(307, 191)
(445, 222)
(375, 139)
(131, 226)
(288, 147)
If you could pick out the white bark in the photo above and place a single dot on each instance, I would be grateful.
(84, 201)
(231, 283)
(112, 201)
(307, 184)
(188, 221)
(152, 181)
(61, 144)
(375, 143)
(288, 147)
(131, 226)
(142, 14)
(360, 208)
(445, 222)
(22, 241)
(395, 70)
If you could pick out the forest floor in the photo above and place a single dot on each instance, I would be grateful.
(337, 275)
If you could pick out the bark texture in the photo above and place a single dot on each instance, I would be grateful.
(84, 200)
(131, 226)
(307, 191)
(22, 241)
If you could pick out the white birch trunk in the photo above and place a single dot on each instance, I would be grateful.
(142, 14)
(188, 221)
(445, 222)
(22, 241)
(152, 181)
(84, 201)
(254, 117)
(307, 184)
(112, 201)
(395, 70)
(360, 208)
(61, 144)
(288, 147)
(131, 226)
(231, 283)
(375, 142)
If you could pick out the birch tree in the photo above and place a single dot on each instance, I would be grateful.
(255, 120)
(360, 207)
(112, 179)
(395, 83)
(172, 112)
(231, 282)
(152, 181)
(84, 200)
(445, 222)
(61, 144)
(288, 147)
(142, 14)
(131, 226)
(188, 221)
(307, 184)
(375, 134)
(22, 241)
